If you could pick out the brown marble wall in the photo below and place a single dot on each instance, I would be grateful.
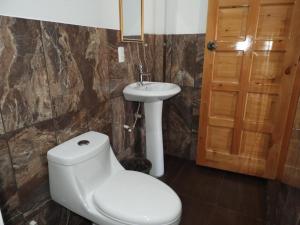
(58, 81)
(183, 66)
(291, 173)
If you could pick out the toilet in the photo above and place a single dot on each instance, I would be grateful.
(86, 178)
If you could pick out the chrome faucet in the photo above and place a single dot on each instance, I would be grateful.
(143, 74)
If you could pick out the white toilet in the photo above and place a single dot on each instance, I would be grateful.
(86, 178)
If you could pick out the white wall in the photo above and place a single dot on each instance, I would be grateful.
(161, 16)
(175, 16)
(186, 16)
(94, 13)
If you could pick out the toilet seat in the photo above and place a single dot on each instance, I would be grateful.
(134, 198)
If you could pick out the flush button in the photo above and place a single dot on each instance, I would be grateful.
(83, 142)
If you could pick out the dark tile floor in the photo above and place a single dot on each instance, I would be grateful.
(215, 197)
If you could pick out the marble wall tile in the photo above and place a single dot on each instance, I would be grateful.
(33, 196)
(65, 80)
(194, 146)
(116, 70)
(291, 174)
(185, 59)
(50, 213)
(2, 131)
(96, 55)
(158, 72)
(178, 124)
(183, 105)
(11, 211)
(28, 149)
(116, 87)
(140, 141)
(196, 109)
(118, 110)
(7, 179)
(77, 65)
(147, 52)
(99, 118)
(24, 93)
(168, 50)
(123, 73)
(178, 137)
(71, 125)
(8, 186)
(124, 142)
(293, 158)
(118, 140)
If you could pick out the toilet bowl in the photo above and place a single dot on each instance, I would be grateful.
(86, 178)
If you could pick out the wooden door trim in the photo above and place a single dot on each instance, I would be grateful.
(205, 95)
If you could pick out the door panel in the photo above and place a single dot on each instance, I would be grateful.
(232, 24)
(220, 139)
(267, 67)
(255, 144)
(228, 106)
(245, 95)
(227, 66)
(260, 108)
(274, 21)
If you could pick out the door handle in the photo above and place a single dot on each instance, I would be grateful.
(211, 45)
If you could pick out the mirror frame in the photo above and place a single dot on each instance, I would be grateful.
(122, 23)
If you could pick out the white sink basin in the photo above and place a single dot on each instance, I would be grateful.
(152, 94)
(150, 91)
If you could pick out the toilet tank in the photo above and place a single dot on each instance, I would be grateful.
(78, 166)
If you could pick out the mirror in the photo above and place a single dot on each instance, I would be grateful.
(132, 20)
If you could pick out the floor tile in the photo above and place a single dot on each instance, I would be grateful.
(195, 212)
(244, 194)
(173, 165)
(222, 216)
(215, 197)
(199, 183)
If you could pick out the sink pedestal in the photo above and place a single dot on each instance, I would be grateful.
(152, 94)
(154, 138)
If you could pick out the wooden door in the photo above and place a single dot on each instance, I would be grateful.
(248, 78)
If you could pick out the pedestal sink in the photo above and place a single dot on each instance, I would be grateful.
(152, 94)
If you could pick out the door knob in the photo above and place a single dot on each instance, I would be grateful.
(212, 46)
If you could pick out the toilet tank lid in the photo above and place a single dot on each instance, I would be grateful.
(79, 148)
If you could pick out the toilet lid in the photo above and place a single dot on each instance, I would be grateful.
(135, 198)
